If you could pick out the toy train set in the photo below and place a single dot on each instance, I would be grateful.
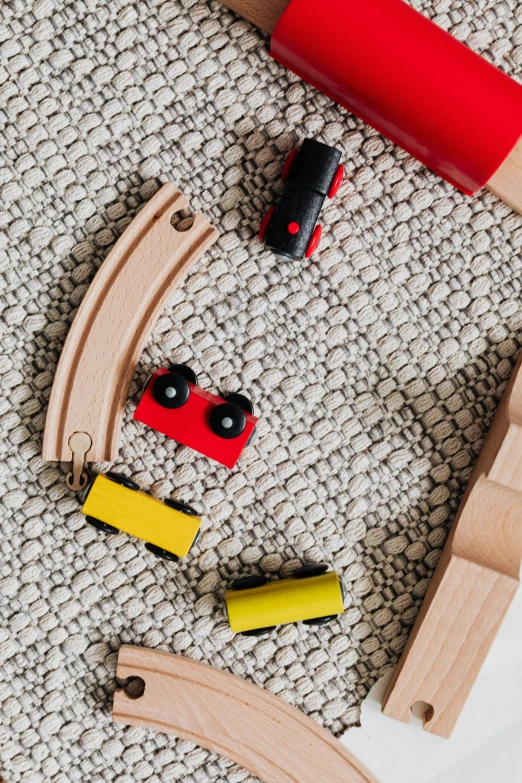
(218, 427)
(369, 62)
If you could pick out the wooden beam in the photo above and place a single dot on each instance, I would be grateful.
(229, 716)
(474, 583)
(263, 13)
(506, 182)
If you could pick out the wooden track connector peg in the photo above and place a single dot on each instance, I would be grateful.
(79, 443)
(113, 322)
(474, 583)
(238, 720)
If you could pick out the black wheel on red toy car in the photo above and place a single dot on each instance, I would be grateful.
(186, 372)
(227, 420)
(240, 400)
(122, 480)
(171, 390)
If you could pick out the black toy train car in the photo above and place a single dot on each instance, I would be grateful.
(311, 173)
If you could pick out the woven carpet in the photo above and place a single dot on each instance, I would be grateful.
(375, 367)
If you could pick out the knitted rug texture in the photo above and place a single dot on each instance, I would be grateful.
(375, 368)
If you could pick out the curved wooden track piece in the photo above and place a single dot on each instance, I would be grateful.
(114, 320)
(234, 718)
(474, 584)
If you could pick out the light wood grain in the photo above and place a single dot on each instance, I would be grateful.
(264, 14)
(506, 182)
(114, 320)
(474, 583)
(238, 720)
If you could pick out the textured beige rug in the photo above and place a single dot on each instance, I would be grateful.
(375, 368)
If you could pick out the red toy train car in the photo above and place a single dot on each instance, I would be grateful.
(218, 427)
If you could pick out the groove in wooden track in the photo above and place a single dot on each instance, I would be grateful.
(114, 320)
(234, 718)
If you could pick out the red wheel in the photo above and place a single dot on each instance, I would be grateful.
(265, 223)
(336, 182)
(288, 164)
(314, 241)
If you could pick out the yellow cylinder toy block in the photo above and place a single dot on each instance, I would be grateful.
(141, 515)
(284, 601)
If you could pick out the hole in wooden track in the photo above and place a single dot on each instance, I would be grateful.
(182, 220)
(422, 711)
(134, 687)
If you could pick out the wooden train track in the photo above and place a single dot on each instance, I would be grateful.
(474, 584)
(108, 333)
(234, 718)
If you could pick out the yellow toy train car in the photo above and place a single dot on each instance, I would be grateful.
(114, 502)
(313, 595)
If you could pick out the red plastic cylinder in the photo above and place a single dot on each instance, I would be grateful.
(409, 79)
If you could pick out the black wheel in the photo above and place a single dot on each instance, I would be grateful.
(227, 420)
(198, 536)
(103, 526)
(240, 400)
(310, 569)
(259, 631)
(122, 480)
(180, 505)
(85, 492)
(246, 582)
(171, 390)
(185, 372)
(163, 553)
(320, 620)
(252, 439)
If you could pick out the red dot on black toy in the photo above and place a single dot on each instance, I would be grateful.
(311, 173)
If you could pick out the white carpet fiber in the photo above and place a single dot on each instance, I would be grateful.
(375, 368)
